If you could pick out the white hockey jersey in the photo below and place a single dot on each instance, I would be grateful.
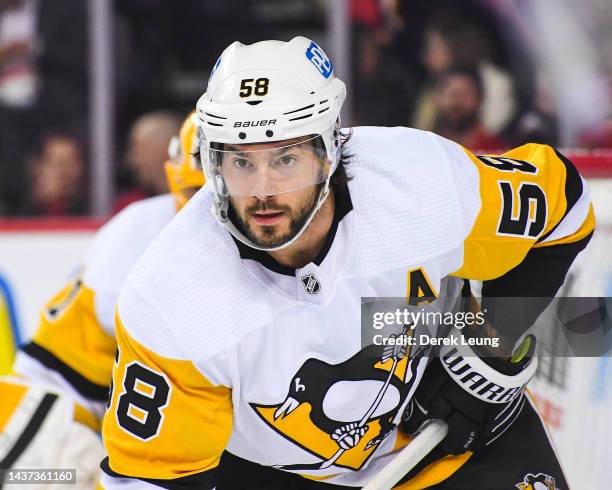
(74, 344)
(220, 347)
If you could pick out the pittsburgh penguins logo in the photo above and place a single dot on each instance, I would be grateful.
(341, 413)
(311, 284)
(540, 481)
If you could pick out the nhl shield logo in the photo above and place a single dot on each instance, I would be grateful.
(311, 284)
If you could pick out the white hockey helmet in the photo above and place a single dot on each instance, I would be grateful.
(270, 91)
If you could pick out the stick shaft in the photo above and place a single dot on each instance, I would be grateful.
(419, 447)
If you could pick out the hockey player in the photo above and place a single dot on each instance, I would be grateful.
(63, 374)
(240, 328)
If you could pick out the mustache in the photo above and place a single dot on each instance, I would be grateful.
(267, 206)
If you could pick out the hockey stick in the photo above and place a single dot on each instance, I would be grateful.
(419, 447)
(381, 393)
(364, 419)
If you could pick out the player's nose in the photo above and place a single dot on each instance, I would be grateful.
(264, 186)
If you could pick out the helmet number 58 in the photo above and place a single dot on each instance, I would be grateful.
(251, 86)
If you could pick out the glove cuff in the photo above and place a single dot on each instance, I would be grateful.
(477, 377)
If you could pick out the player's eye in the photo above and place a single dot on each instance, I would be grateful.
(241, 163)
(286, 161)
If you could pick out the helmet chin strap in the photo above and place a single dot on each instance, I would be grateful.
(220, 211)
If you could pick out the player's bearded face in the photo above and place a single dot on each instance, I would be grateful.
(273, 187)
(273, 221)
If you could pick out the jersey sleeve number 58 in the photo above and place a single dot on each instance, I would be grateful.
(525, 216)
(141, 403)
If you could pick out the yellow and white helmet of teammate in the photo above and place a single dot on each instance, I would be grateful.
(183, 168)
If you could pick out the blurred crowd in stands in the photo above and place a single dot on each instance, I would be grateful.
(462, 68)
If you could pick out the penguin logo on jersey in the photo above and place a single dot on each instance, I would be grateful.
(540, 481)
(311, 283)
(342, 412)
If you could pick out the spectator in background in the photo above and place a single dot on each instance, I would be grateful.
(599, 136)
(43, 81)
(536, 122)
(458, 97)
(18, 85)
(451, 40)
(379, 79)
(147, 151)
(57, 172)
(17, 44)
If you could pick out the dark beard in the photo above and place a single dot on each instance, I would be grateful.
(270, 237)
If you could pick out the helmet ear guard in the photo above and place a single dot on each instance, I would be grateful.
(269, 92)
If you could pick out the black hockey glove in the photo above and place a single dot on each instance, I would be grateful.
(479, 397)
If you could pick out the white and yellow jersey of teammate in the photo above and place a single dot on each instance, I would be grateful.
(63, 374)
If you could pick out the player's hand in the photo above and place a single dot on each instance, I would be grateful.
(479, 398)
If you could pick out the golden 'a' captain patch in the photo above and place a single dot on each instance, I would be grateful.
(419, 288)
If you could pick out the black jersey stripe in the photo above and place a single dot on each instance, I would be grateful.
(80, 383)
(539, 276)
(30, 431)
(200, 481)
(573, 190)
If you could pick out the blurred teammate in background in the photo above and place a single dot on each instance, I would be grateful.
(148, 141)
(63, 374)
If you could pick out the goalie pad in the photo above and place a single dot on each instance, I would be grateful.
(38, 431)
